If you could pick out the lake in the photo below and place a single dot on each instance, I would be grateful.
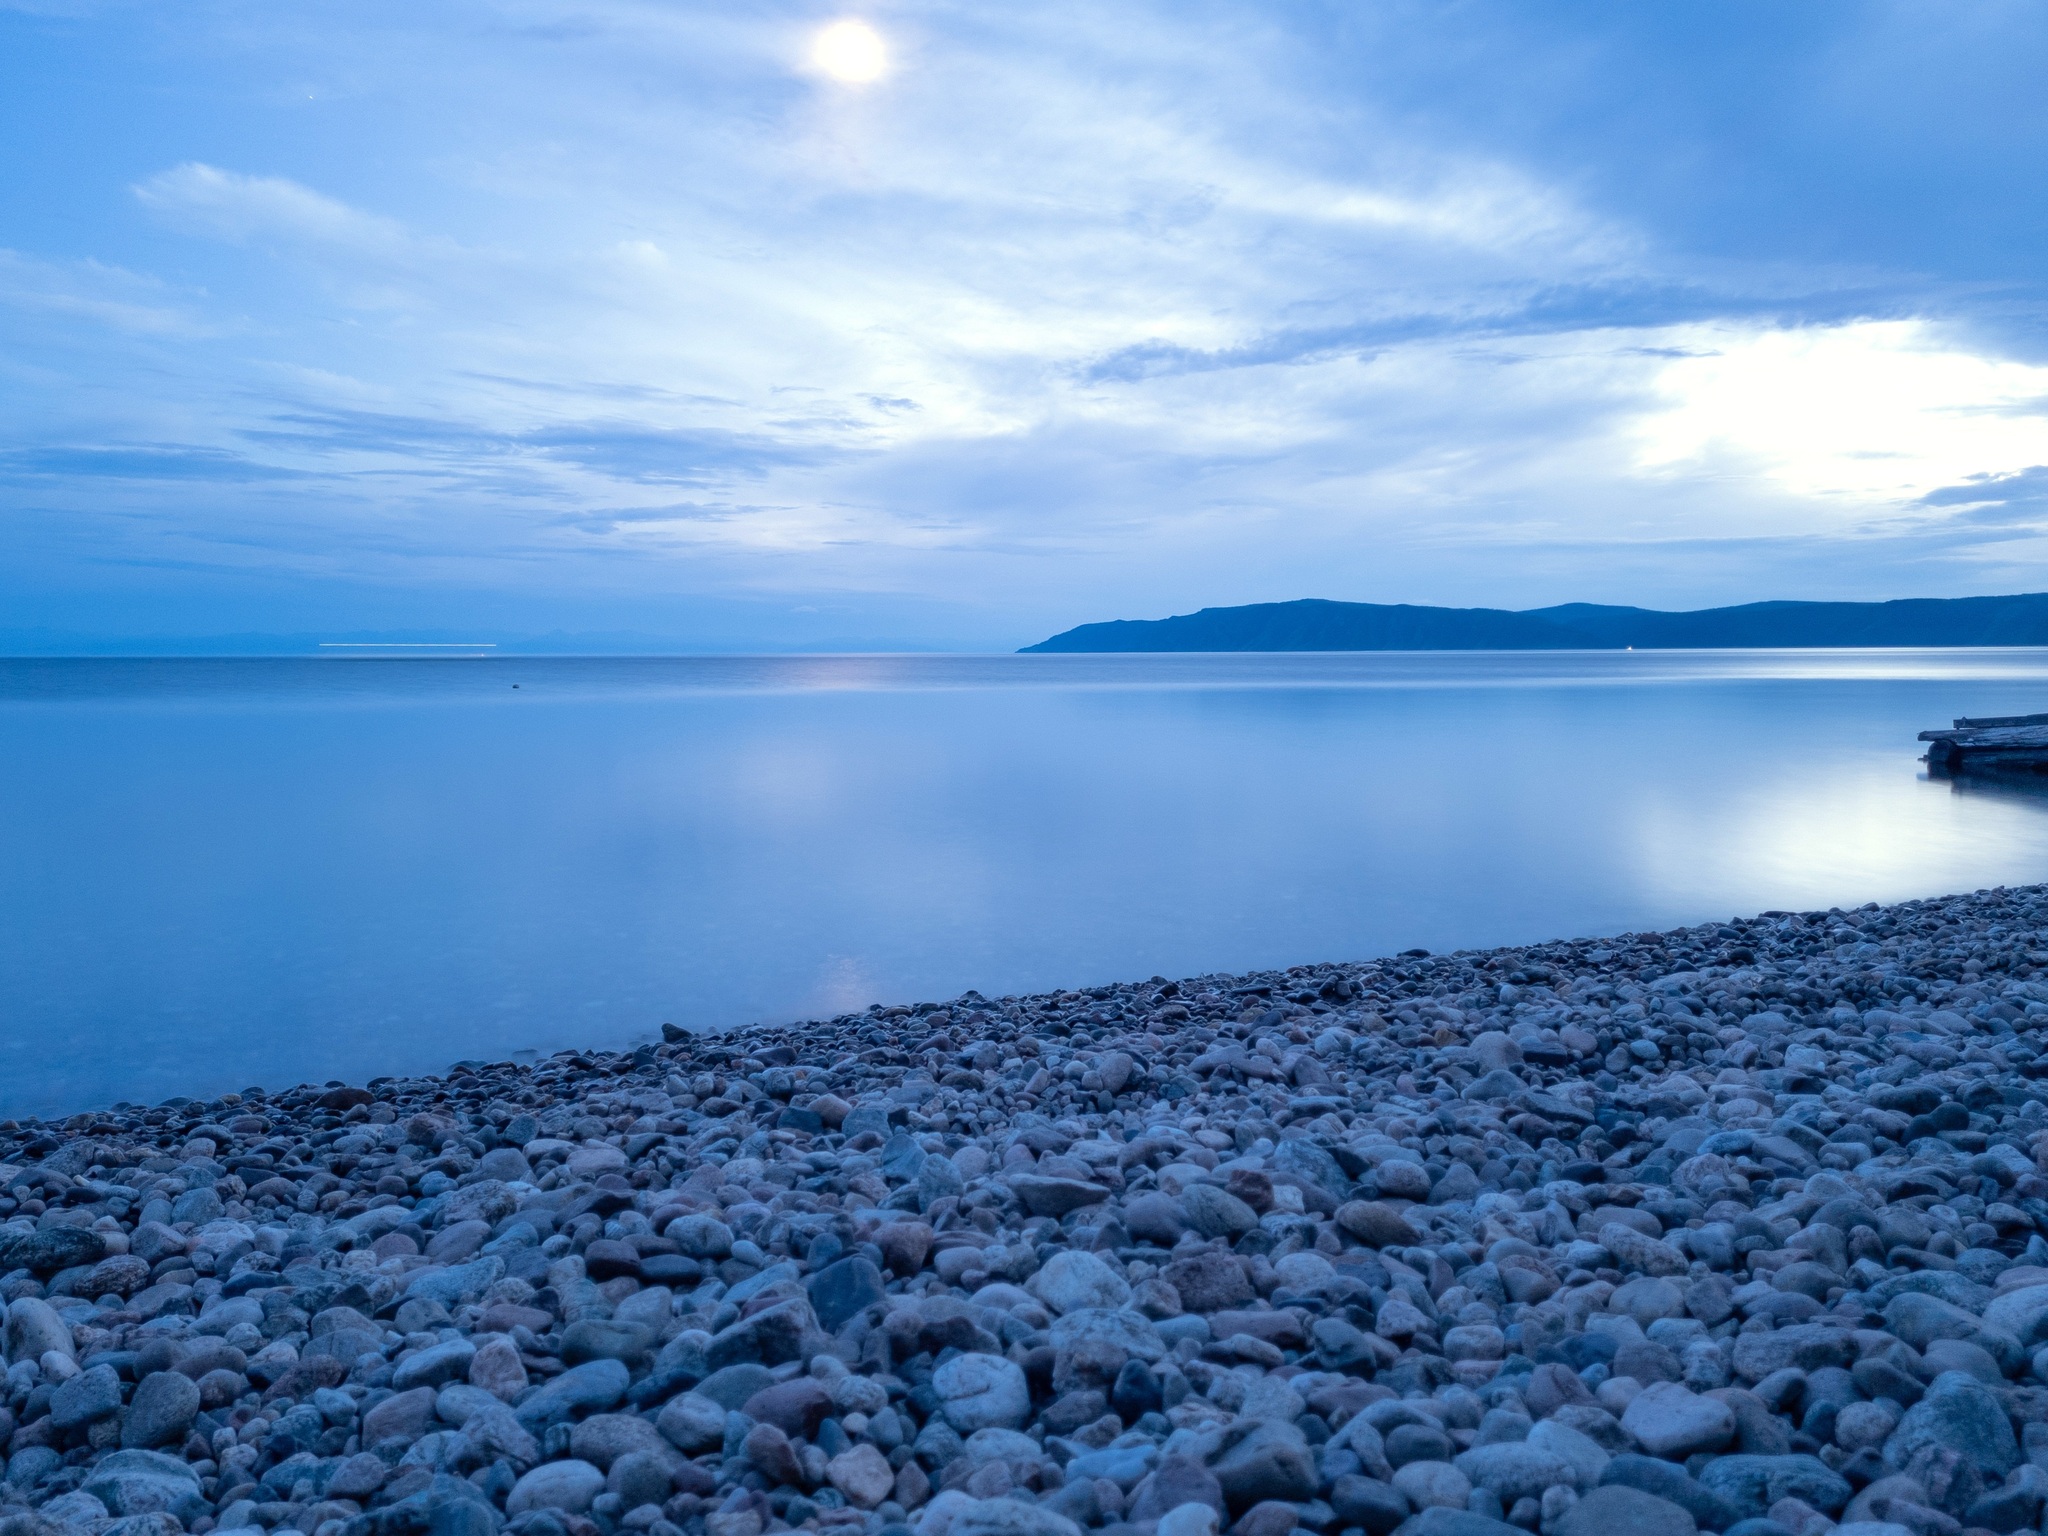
(217, 873)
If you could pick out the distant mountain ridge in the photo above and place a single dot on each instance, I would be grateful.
(1317, 624)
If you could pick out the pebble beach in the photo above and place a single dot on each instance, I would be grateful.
(1739, 1228)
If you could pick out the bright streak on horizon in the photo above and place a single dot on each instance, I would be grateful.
(851, 51)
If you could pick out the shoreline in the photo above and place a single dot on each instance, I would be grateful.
(1577, 1224)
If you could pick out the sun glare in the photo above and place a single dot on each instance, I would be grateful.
(851, 51)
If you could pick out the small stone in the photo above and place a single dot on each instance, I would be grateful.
(34, 1329)
(904, 1246)
(1512, 1471)
(692, 1424)
(436, 1367)
(1177, 1482)
(1056, 1197)
(1959, 1414)
(1191, 1520)
(700, 1237)
(590, 1339)
(86, 1398)
(1271, 1462)
(497, 1368)
(603, 1438)
(1399, 1179)
(1622, 1511)
(1433, 1484)
(982, 1391)
(863, 1474)
(844, 1289)
(768, 1448)
(401, 1417)
(796, 1407)
(162, 1410)
(569, 1486)
(1072, 1280)
(358, 1477)
(1215, 1212)
(1209, 1282)
(1369, 1504)
(1669, 1421)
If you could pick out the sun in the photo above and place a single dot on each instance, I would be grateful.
(851, 51)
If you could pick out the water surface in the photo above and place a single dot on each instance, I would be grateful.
(216, 873)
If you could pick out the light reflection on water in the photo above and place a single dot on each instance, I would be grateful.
(221, 872)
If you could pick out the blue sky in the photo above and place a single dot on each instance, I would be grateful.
(942, 325)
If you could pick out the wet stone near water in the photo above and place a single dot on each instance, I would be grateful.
(1740, 1228)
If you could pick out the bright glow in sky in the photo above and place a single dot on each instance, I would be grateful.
(953, 327)
(851, 51)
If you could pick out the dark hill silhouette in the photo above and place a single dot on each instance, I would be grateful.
(1315, 624)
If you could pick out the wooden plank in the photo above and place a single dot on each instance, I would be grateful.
(2007, 738)
(1996, 722)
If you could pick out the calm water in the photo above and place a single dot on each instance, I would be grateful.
(214, 873)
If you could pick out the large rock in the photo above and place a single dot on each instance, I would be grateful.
(1622, 1511)
(50, 1249)
(434, 1367)
(1008, 1517)
(580, 1390)
(1440, 1521)
(692, 1424)
(1752, 1484)
(603, 1438)
(86, 1398)
(1376, 1224)
(162, 1410)
(1959, 1414)
(1669, 1421)
(1216, 1212)
(1367, 1504)
(146, 1483)
(1272, 1461)
(978, 1391)
(1209, 1281)
(796, 1407)
(1072, 1280)
(1586, 1458)
(863, 1475)
(1805, 1347)
(1130, 1333)
(34, 1329)
(842, 1290)
(1177, 1481)
(1674, 1485)
(403, 1416)
(773, 1336)
(1043, 1196)
(2021, 1312)
(569, 1486)
(1513, 1470)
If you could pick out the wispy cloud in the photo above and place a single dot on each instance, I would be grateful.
(241, 207)
(93, 291)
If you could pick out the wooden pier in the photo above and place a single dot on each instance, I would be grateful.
(2010, 744)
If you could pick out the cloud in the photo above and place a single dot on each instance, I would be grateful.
(239, 207)
(1871, 411)
(140, 461)
(2021, 496)
(94, 291)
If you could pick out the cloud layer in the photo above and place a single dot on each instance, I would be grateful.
(632, 317)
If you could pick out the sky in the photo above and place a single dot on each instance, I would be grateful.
(948, 326)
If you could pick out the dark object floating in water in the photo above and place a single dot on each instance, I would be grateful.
(1989, 744)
